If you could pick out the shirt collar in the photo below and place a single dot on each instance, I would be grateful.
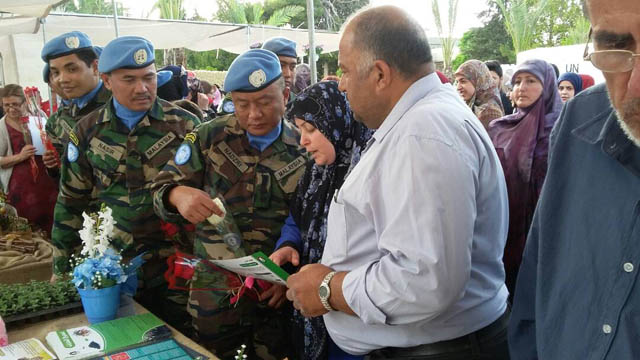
(411, 96)
(82, 101)
(128, 117)
(262, 142)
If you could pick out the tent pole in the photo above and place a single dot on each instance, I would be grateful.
(312, 43)
(115, 17)
(44, 41)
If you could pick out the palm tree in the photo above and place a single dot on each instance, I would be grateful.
(237, 12)
(447, 38)
(520, 20)
(174, 10)
(578, 34)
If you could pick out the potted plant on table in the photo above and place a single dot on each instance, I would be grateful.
(98, 272)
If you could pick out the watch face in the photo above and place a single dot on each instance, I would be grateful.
(323, 291)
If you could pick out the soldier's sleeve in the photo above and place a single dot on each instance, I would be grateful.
(52, 135)
(76, 185)
(186, 168)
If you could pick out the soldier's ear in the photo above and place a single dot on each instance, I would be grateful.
(285, 94)
(94, 67)
(106, 79)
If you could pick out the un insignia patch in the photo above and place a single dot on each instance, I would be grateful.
(257, 78)
(183, 154)
(140, 56)
(72, 42)
(72, 152)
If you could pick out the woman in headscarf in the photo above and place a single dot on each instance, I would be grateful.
(303, 78)
(587, 81)
(569, 85)
(478, 89)
(522, 143)
(334, 140)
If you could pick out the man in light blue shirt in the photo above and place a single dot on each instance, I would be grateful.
(412, 266)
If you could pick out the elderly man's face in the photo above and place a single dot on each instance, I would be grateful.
(616, 26)
(135, 89)
(260, 112)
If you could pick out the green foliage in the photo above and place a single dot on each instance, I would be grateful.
(35, 296)
(490, 42)
(328, 14)
(557, 21)
(578, 34)
(446, 37)
(209, 60)
(521, 19)
(170, 9)
(96, 7)
(238, 12)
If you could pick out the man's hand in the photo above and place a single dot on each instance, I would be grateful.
(193, 204)
(303, 289)
(275, 294)
(50, 159)
(27, 152)
(284, 255)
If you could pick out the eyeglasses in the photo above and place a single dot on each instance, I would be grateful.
(12, 105)
(612, 61)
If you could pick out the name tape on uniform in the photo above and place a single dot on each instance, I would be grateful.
(100, 147)
(159, 145)
(289, 168)
(66, 127)
(229, 154)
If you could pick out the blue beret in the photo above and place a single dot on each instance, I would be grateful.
(281, 46)
(130, 52)
(45, 73)
(164, 76)
(98, 50)
(252, 71)
(65, 44)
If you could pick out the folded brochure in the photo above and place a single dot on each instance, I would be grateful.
(258, 266)
(25, 349)
(106, 337)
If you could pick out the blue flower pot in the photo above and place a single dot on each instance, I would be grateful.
(101, 304)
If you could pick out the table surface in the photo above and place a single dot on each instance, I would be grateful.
(40, 329)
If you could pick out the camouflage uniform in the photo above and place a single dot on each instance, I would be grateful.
(257, 188)
(116, 166)
(59, 124)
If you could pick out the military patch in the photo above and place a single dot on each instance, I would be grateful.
(159, 145)
(100, 147)
(257, 78)
(192, 136)
(72, 152)
(72, 42)
(183, 154)
(140, 56)
(289, 168)
(66, 127)
(229, 154)
(73, 138)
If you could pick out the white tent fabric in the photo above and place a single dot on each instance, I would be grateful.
(33, 8)
(18, 25)
(198, 36)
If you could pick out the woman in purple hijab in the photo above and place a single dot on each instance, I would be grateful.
(522, 143)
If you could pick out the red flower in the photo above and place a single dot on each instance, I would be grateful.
(168, 229)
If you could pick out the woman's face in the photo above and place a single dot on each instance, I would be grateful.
(465, 88)
(526, 89)
(13, 106)
(566, 89)
(316, 143)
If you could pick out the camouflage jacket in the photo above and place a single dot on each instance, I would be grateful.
(116, 166)
(59, 124)
(257, 186)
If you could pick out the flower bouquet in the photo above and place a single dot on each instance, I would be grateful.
(98, 272)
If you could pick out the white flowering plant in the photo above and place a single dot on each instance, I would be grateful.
(99, 265)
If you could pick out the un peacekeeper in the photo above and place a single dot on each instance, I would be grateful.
(285, 49)
(253, 160)
(112, 157)
(71, 65)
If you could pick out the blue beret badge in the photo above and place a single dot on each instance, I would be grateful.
(140, 57)
(183, 154)
(257, 78)
(72, 152)
(72, 42)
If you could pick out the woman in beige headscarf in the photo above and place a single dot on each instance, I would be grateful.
(478, 89)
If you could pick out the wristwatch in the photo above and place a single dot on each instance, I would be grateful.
(324, 291)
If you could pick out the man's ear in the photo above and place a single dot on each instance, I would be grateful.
(286, 92)
(106, 79)
(382, 72)
(94, 67)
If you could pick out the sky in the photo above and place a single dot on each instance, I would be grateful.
(468, 11)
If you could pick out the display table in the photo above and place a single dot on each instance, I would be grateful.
(40, 329)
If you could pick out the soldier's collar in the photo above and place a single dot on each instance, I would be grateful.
(155, 112)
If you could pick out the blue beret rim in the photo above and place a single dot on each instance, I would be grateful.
(264, 86)
(51, 57)
(136, 66)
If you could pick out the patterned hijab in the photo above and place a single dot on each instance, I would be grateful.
(525, 134)
(486, 102)
(325, 107)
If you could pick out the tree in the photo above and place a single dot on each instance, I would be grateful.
(578, 34)
(490, 42)
(447, 38)
(173, 10)
(96, 7)
(236, 12)
(328, 14)
(521, 20)
(557, 21)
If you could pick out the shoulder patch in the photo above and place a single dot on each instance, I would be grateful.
(72, 152)
(73, 138)
(183, 154)
(191, 137)
(289, 168)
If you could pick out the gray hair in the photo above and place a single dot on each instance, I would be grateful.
(391, 36)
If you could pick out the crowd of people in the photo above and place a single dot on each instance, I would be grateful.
(418, 220)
